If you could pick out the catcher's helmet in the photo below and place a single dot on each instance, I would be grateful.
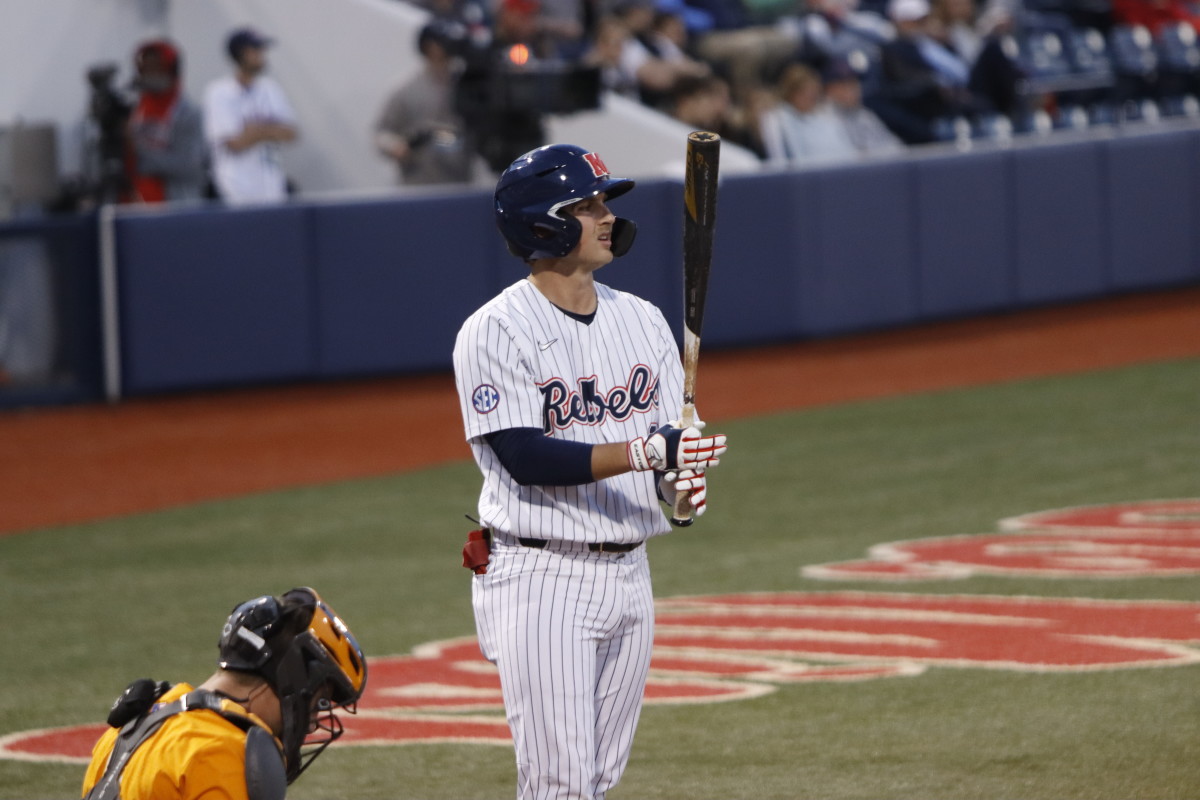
(309, 658)
(532, 192)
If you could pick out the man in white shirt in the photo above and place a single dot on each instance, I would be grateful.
(247, 118)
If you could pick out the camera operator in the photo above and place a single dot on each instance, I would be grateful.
(419, 128)
(104, 178)
(509, 84)
(166, 130)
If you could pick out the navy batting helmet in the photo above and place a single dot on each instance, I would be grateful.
(533, 191)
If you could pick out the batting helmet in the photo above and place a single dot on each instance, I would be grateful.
(533, 191)
(309, 658)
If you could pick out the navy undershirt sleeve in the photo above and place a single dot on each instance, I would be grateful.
(534, 459)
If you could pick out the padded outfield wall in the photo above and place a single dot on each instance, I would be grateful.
(212, 297)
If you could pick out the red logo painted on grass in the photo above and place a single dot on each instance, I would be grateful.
(1129, 540)
(734, 647)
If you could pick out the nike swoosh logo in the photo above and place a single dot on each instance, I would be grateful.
(546, 345)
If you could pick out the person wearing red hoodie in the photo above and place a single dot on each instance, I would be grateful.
(167, 153)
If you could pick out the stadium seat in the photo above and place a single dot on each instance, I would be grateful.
(1043, 55)
(1134, 62)
(1178, 48)
(1132, 49)
(1088, 53)
(1178, 51)
(1091, 64)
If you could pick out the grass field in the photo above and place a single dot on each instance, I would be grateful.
(90, 607)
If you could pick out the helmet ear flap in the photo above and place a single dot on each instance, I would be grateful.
(552, 237)
(624, 231)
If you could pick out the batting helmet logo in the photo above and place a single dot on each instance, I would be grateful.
(598, 168)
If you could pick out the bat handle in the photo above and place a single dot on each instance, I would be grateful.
(681, 515)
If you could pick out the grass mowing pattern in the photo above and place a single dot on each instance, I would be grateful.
(90, 607)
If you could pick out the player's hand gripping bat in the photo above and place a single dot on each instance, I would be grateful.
(699, 217)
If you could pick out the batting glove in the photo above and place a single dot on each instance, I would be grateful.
(689, 481)
(673, 447)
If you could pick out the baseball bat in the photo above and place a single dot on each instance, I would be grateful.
(699, 219)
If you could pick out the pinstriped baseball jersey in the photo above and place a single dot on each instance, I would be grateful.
(521, 362)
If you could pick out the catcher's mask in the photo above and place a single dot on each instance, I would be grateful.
(309, 658)
(533, 192)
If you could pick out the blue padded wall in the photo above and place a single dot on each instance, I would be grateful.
(1060, 223)
(964, 226)
(864, 275)
(1151, 209)
(213, 297)
(50, 267)
(395, 279)
(759, 252)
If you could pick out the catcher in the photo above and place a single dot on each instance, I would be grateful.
(286, 665)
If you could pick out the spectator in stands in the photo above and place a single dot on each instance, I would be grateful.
(998, 78)
(167, 159)
(654, 66)
(705, 103)
(741, 51)
(529, 22)
(953, 22)
(563, 22)
(803, 128)
(247, 118)
(474, 16)
(996, 83)
(419, 128)
(669, 35)
(864, 129)
(607, 53)
(922, 82)
(838, 29)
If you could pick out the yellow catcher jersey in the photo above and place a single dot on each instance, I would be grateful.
(195, 755)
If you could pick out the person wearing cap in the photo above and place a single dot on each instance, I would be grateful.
(865, 131)
(571, 394)
(167, 158)
(922, 81)
(419, 129)
(247, 118)
(287, 665)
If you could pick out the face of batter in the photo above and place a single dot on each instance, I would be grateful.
(595, 241)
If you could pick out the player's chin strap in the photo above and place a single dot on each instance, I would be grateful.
(624, 231)
(139, 717)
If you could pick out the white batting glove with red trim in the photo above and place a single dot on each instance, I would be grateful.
(689, 481)
(673, 447)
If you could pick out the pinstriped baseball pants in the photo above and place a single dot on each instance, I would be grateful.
(571, 632)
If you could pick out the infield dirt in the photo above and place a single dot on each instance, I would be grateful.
(77, 464)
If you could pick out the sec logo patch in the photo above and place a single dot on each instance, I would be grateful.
(485, 398)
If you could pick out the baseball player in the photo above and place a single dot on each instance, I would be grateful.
(286, 665)
(568, 389)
